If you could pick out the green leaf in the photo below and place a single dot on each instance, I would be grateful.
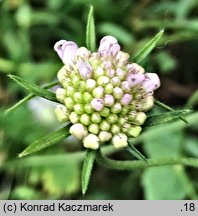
(27, 98)
(46, 141)
(87, 168)
(165, 107)
(136, 153)
(90, 31)
(148, 48)
(165, 117)
(34, 88)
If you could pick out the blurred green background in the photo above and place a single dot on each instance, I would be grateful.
(28, 31)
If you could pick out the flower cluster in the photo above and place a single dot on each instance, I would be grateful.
(104, 95)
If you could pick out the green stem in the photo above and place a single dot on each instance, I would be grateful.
(137, 164)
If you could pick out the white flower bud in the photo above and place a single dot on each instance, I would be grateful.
(78, 130)
(147, 103)
(139, 118)
(61, 113)
(120, 140)
(60, 94)
(90, 84)
(104, 136)
(91, 141)
(73, 117)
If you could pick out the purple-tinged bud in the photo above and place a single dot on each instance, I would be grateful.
(83, 52)
(74, 118)
(107, 64)
(116, 108)
(126, 99)
(134, 131)
(66, 51)
(135, 68)
(108, 46)
(108, 100)
(104, 125)
(97, 104)
(110, 73)
(85, 69)
(154, 79)
(126, 87)
(78, 130)
(99, 72)
(120, 140)
(103, 81)
(117, 93)
(135, 79)
(61, 113)
(120, 73)
(60, 94)
(104, 136)
(90, 84)
(122, 58)
(94, 128)
(115, 81)
(125, 127)
(91, 141)
(98, 92)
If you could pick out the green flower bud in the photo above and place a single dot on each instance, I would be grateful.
(139, 118)
(125, 127)
(95, 117)
(104, 136)
(69, 103)
(103, 81)
(78, 108)
(73, 117)
(82, 86)
(77, 97)
(87, 97)
(122, 120)
(118, 93)
(124, 111)
(132, 115)
(90, 84)
(85, 119)
(112, 118)
(60, 94)
(88, 108)
(105, 112)
(147, 103)
(70, 91)
(93, 128)
(116, 108)
(134, 131)
(108, 88)
(75, 81)
(62, 74)
(98, 92)
(91, 141)
(115, 129)
(61, 113)
(104, 125)
(120, 140)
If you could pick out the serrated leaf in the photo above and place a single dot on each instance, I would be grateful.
(165, 117)
(87, 168)
(90, 31)
(141, 55)
(136, 153)
(34, 88)
(27, 98)
(46, 141)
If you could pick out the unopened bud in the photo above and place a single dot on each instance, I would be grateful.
(104, 136)
(104, 125)
(93, 128)
(69, 103)
(61, 113)
(85, 119)
(105, 112)
(120, 140)
(98, 92)
(103, 81)
(139, 118)
(78, 130)
(60, 94)
(95, 117)
(108, 100)
(73, 117)
(90, 84)
(117, 93)
(108, 89)
(115, 129)
(116, 108)
(91, 141)
(134, 131)
(97, 104)
(78, 108)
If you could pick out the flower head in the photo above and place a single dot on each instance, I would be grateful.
(104, 95)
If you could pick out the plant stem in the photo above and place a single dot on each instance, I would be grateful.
(137, 164)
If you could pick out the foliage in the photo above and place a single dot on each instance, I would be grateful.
(28, 31)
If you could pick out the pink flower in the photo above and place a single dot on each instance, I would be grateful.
(97, 104)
